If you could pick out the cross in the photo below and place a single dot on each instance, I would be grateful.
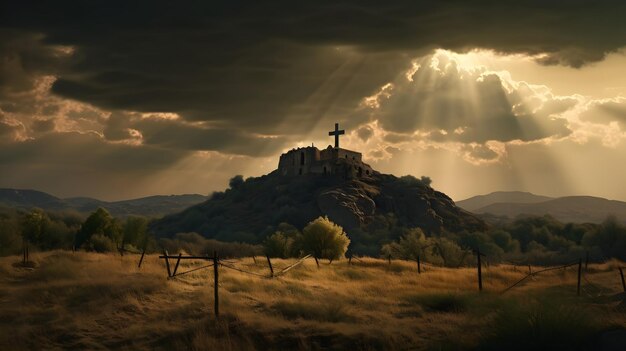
(337, 133)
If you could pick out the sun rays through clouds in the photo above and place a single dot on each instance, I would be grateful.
(420, 88)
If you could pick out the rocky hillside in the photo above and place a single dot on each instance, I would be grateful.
(364, 207)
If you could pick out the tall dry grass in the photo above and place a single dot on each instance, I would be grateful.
(99, 301)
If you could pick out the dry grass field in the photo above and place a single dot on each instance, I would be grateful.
(97, 301)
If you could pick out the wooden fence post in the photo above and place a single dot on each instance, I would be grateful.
(254, 259)
(269, 263)
(480, 272)
(350, 260)
(389, 258)
(143, 252)
(177, 263)
(317, 262)
(167, 263)
(419, 265)
(216, 306)
(580, 269)
(530, 271)
(621, 273)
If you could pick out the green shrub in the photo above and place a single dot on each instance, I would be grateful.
(324, 239)
(278, 245)
(101, 243)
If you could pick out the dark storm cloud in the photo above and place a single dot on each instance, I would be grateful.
(258, 66)
(178, 134)
(78, 164)
(117, 127)
(84, 152)
(261, 91)
(22, 59)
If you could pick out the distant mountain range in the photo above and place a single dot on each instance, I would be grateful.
(576, 209)
(509, 204)
(151, 206)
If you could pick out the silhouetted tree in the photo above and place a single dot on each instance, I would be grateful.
(99, 223)
(236, 182)
(426, 180)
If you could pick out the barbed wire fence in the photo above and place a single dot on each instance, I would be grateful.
(483, 267)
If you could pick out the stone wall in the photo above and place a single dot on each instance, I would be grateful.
(306, 160)
(331, 153)
(298, 161)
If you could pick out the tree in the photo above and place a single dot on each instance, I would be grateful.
(426, 180)
(412, 244)
(610, 237)
(287, 229)
(504, 240)
(324, 239)
(285, 242)
(101, 223)
(450, 252)
(413, 181)
(278, 245)
(135, 230)
(34, 225)
(236, 182)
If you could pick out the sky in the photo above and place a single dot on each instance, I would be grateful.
(123, 99)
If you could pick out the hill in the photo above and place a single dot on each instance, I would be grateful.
(152, 206)
(29, 198)
(576, 209)
(370, 208)
(477, 202)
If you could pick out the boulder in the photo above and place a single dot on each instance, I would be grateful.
(347, 207)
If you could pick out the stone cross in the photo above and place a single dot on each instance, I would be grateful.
(337, 133)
